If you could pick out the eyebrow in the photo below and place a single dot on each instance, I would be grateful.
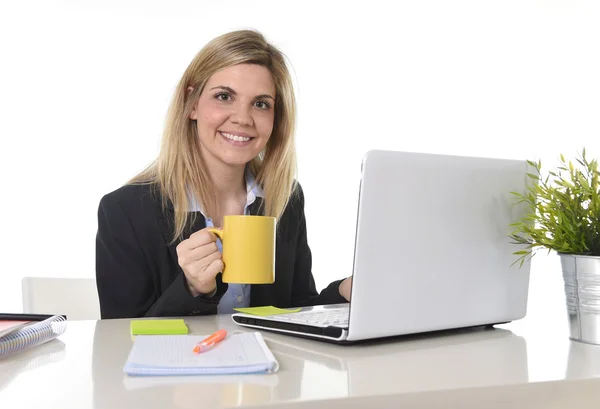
(232, 91)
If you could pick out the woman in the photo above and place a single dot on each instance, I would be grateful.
(227, 148)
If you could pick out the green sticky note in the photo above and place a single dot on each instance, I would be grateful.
(267, 310)
(158, 327)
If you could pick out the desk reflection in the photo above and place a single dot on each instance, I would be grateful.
(29, 360)
(312, 369)
(583, 361)
(112, 388)
(452, 359)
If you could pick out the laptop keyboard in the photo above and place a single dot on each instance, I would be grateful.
(334, 317)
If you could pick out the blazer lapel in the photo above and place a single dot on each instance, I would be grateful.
(166, 221)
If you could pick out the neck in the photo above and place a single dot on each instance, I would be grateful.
(228, 181)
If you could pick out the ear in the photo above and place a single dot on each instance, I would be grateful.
(193, 114)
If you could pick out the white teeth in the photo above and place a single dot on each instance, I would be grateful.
(235, 137)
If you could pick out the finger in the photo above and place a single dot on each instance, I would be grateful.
(201, 238)
(196, 266)
(203, 251)
(208, 260)
(197, 255)
(197, 239)
(214, 268)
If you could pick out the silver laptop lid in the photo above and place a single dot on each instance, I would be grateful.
(432, 249)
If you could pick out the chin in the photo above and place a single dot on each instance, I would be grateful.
(236, 160)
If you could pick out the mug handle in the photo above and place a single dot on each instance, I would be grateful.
(218, 232)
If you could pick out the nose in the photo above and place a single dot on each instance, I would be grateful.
(241, 116)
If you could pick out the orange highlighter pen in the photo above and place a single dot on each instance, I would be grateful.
(210, 341)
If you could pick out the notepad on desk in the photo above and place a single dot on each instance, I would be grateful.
(238, 353)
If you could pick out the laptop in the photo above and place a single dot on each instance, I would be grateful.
(431, 251)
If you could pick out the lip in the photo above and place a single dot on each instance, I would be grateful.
(242, 134)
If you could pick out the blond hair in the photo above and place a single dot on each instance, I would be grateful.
(179, 165)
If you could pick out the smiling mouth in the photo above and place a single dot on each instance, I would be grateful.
(235, 138)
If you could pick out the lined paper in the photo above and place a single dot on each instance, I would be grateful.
(176, 351)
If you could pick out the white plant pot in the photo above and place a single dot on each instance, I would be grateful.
(581, 276)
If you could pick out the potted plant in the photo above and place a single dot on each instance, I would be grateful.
(563, 215)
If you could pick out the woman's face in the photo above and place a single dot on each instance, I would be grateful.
(235, 114)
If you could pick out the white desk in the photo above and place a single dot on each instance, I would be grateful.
(528, 363)
(481, 368)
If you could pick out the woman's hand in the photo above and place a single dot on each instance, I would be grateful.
(345, 288)
(201, 261)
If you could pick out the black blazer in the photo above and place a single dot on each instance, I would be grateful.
(137, 273)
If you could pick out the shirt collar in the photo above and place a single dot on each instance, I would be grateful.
(253, 189)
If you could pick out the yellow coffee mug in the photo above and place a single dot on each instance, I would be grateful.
(248, 249)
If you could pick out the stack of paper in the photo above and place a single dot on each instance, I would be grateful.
(238, 353)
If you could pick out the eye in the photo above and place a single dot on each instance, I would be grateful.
(223, 96)
(262, 104)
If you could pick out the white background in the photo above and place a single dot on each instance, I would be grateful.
(84, 88)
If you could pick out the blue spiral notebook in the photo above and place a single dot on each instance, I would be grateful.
(22, 331)
(238, 353)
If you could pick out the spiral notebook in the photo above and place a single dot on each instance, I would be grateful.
(238, 353)
(22, 331)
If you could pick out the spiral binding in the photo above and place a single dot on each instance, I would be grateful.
(32, 335)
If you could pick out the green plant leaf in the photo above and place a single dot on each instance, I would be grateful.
(562, 209)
